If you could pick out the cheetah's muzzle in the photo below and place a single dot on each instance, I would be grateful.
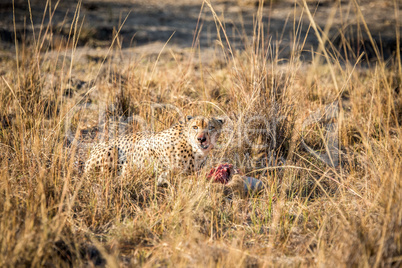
(204, 146)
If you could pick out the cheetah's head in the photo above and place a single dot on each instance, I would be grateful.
(203, 132)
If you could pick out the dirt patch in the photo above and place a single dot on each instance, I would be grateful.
(156, 21)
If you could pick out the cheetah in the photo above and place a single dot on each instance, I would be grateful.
(184, 147)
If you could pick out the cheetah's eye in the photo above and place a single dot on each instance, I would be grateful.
(211, 127)
(195, 127)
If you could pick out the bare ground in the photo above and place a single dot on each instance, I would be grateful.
(154, 22)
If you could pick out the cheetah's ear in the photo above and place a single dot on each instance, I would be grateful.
(188, 118)
(220, 120)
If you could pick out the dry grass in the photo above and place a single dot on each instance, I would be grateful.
(310, 213)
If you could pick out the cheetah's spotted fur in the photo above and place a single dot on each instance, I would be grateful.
(183, 147)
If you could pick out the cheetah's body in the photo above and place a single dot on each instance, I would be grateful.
(183, 147)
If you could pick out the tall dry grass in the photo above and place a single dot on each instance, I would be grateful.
(310, 212)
